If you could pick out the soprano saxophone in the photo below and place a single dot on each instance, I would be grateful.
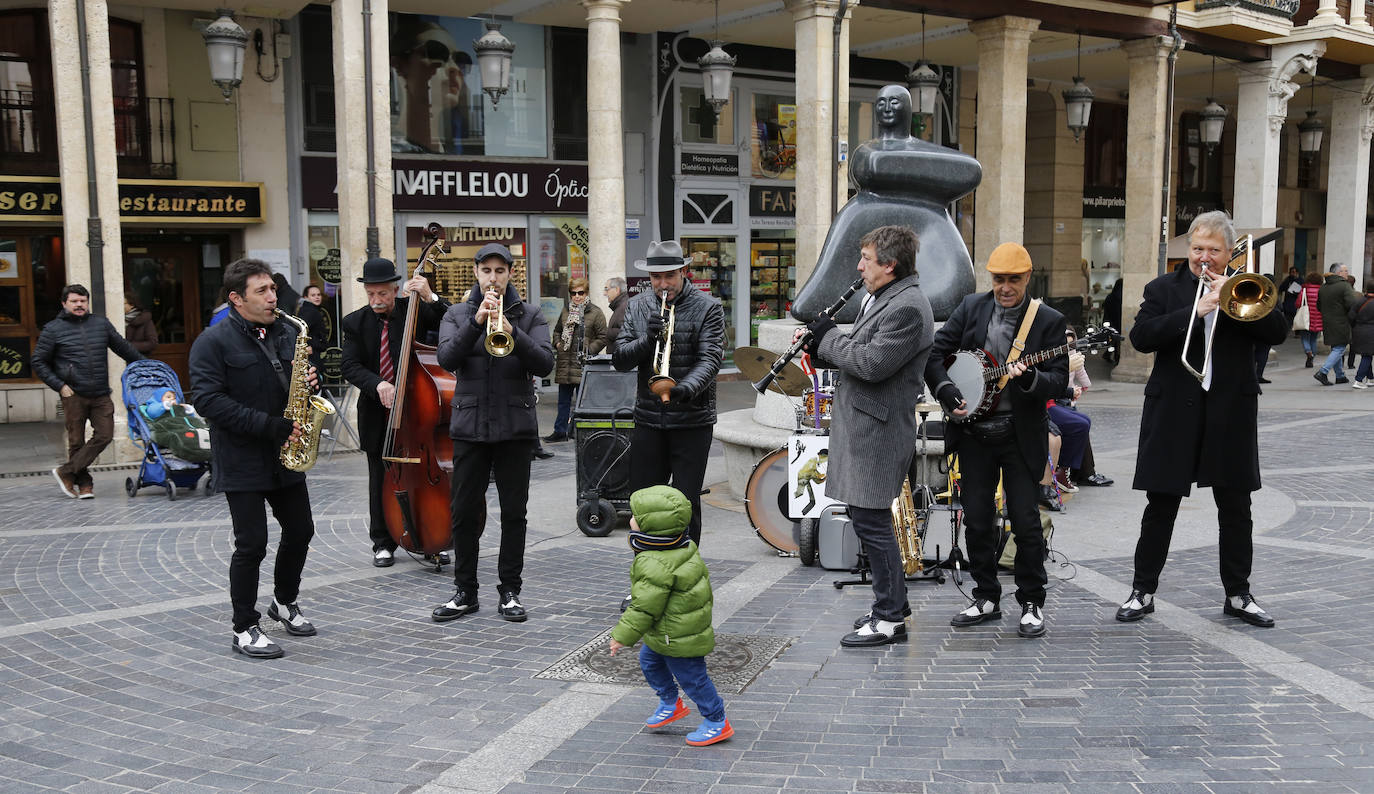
(302, 406)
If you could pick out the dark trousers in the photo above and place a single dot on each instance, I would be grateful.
(376, 471)
(1233, 529)
(1088, 467)
(1073, 429)
(690, 671)
(473, 462)
(979, 467)
(1365, 370)
(248, 512)
(566, 393)
(672, 457)
(873, 528)
(82, 452)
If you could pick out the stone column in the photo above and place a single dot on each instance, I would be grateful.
(999, 203)
(1327, 14)
(1145, 158)
(1357, 16)
(605, 144)
(814, 28)
(1347, 186)
(1261, 111)
(350, 112)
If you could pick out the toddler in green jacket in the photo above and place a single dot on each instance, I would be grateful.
(670, 609)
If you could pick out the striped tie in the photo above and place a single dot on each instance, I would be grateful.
(387, 370)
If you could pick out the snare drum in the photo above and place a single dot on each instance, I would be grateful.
(813, 402)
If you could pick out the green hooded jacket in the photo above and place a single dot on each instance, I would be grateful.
(670, 590)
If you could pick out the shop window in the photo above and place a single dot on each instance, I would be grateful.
(699, 123)
(28, 127)
(713, 267)
(454, 277)
(326, 266)
(560, 255)
(773, 150)
(1104, 147)
(772, 276)
(317, 77)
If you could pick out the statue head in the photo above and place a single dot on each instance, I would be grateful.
(892, 112)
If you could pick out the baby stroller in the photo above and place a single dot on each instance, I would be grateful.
(175, 440)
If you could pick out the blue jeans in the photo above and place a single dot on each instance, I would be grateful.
(1333, 361)
(1309, 342)
(566, 392)
(1366, 371)
(690, 672)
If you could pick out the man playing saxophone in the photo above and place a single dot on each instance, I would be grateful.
(496, 345)
(873, 421)
(240, 378)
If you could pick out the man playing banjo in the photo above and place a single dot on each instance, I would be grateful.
(1010, 439)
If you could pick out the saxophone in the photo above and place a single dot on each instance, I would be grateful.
(303, 407)
(906, 524)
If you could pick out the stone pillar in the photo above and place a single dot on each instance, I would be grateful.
(1357, 16)
(1145, 158)
(1261, 111)
(999, 203)
(814, 28)
(1347, 186)
(262, 139)
(1327, 14)
(350, 112)
(605, 144)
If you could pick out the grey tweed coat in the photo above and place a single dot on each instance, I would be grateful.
(873, 420)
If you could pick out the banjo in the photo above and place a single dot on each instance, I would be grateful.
(978, 376)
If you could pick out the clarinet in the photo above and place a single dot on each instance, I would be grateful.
(831, 311)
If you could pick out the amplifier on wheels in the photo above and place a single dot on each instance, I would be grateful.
(837, 545)
(602, 420)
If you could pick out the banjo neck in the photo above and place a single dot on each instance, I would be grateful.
(993, 373)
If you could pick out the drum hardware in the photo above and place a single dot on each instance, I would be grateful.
(754, 363)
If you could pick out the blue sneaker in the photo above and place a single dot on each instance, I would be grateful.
(667, 712)
(710, 732)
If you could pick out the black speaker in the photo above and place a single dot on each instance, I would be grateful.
(603, 389)
(603, 460)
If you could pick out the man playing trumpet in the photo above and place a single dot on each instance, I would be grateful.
(675, 406)
(495, 344)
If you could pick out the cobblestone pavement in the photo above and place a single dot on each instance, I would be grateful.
(116, 672)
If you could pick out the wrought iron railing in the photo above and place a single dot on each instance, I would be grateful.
(18, 125)
(1280, 8)
(145, 137)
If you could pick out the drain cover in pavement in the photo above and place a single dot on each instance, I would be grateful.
(734, 664)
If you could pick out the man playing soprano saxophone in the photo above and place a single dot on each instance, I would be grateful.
(239, 376)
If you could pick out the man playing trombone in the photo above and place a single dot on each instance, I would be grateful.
(1199, 420)
(495, 344)
(673, 334)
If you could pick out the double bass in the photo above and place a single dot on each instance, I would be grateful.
(417, 451)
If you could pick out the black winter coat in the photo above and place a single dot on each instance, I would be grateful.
(694, 361)
(493, 399)
(361, 361)
(316, 328)
(239, 394)
(71, 352)
(617, 308)
(1188, 435)
(1362, 326)
(967, 329)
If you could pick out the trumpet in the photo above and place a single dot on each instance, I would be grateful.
(498, 343)
(1244, 296)
(661, 383)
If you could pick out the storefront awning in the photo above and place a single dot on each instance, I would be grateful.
(1178, 247)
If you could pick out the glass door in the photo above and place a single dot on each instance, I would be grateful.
(164, 278)
(772, 276)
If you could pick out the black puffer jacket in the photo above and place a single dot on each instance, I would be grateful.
(698, 334)
(1362, 326)
(238, 392)
(493, 399)
(71, 352)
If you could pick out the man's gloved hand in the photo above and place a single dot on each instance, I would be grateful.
(654, 325)
(818, 327)
(950, 397)
(680, 394)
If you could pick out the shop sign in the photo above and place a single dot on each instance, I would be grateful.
(772, 201)
(1104, 202)
(1189, 205)
(461, 186)
(701, 164)
(140, 200)
(14, 358)
(573, 229)
(331, 266)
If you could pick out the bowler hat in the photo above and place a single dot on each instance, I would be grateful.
(663, 257)
(1009, 259)
(494, 249)
(379, 271)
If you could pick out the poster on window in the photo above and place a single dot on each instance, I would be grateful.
(807, 457)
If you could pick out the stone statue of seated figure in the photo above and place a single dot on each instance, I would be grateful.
(901, 180)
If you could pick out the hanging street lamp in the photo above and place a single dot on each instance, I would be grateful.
(225, 42)
(494, 52)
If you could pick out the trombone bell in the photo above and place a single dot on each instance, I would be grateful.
(1247, 297)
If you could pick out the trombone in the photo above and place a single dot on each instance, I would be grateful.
(1245, 296)
(661, 383)
(498, 343)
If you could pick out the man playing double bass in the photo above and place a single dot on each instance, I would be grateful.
(1011, 441)
(372, 356)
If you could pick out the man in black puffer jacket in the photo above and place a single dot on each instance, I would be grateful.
(672, 435)
(70, 358)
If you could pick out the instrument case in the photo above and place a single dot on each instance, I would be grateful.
(838, 546)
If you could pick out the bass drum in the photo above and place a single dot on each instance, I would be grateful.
(765, 502)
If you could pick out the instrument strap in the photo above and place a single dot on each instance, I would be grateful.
(276, 365)
(1019, 343)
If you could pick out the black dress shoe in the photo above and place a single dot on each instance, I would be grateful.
(1342, 379)
(461, 604)
(291, 619)
(868, 616)
(875, 632)
(1265, 380)
(977, 612)
(383, 558)
(252, 643)
(554, 438)
(1136, 606)
(1245, 607)
(1032, 621)
(1321, 378)
(1097, 481)
(542, 454)
(510, 607)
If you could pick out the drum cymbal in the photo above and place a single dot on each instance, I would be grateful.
(927, 408)
(755, 362)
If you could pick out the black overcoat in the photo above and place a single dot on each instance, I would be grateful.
(1188, 435)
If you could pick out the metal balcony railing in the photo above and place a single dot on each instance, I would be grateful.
(1279, 8)
(145, 137)
(18, 127)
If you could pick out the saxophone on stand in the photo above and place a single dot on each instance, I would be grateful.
(906, 524)
(303, 407)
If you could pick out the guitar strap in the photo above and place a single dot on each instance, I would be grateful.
(1019, 343)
